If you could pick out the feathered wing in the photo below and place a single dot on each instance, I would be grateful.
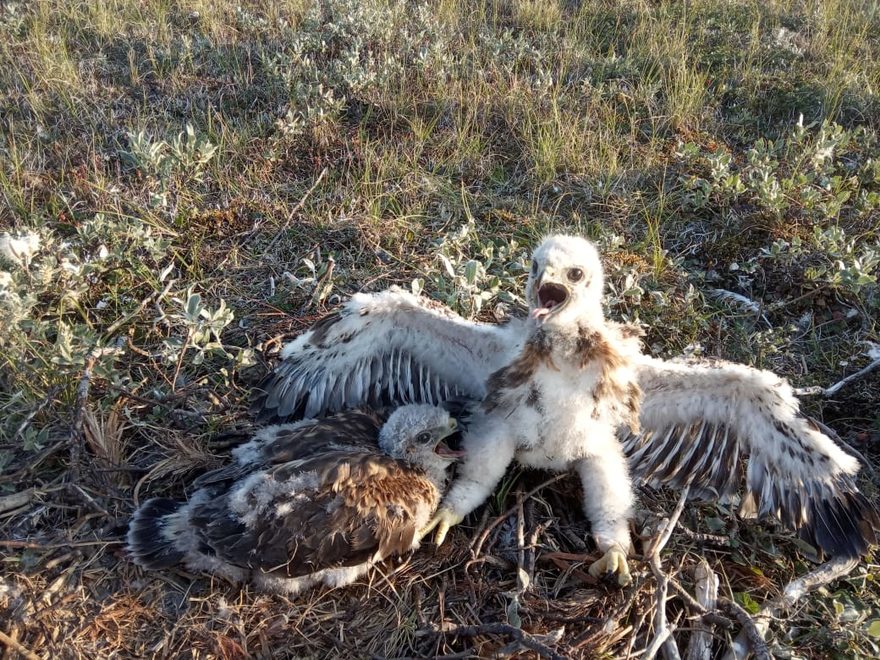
(334, 509)
(383, 349)
(699, 418)
(283, 443)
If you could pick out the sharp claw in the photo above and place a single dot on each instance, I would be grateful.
(613, 561)
(443, 520)
(442, 530)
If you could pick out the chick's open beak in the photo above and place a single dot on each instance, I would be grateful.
(550, 298)
(442, 449)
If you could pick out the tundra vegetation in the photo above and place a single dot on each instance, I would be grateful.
(183, 183)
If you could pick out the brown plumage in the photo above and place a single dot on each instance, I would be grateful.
(307, 502)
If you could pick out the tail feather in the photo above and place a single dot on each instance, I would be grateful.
(147, 544)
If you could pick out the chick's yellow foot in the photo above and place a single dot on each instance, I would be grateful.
(614, 561)
(443, 520)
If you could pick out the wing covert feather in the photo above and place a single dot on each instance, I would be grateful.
(334, 509)
(699, 418)
(382, 349)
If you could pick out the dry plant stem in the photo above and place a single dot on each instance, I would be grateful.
(661, 627)
(794, 591)
(700, 646)
(141, 307)
(839, 385)
(17, 647)
(77, 437)
(294, 210)
(659, 640)
(521, 543)
(36, 411)
(845, 446)
(751, 638)
(492, 525)
(521, 636)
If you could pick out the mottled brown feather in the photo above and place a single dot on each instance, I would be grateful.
(364, 506)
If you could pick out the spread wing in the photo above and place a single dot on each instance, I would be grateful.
(283, 443)
(699, 418)
(383, 349)
(335, 509)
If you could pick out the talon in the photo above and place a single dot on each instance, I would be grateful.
(613, 561)
(443, 520)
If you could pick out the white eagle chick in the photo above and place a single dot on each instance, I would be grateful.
(305, 503)
(713, 426)
(559, 404)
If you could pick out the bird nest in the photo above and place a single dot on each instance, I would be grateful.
(510, 581)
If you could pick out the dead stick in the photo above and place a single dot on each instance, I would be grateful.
(753, 634)
(77, 438)
(521, 636)
(36, 411)
(15, 645)
(839, 385)
(700, 645)
(492, 525)
(293, 211)
(661, 627)
(137, 310)
(660, 638)
(794, 591)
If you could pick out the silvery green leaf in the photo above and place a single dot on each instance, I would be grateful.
(193, 306)
(471, 271)
(165, 271)
(447, 264)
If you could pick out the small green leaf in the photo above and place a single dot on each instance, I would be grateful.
(748, 603)
(874, 628)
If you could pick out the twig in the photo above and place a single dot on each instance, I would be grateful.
(16, 500)
(15, 645)
(754, 636)
(77, 438)
(660, 638)
(43, 455)
(661, 627)
(521, 546)
(137, 310)
(701, 537)
(36, 411)
(492, 525)
(294, 210)
(700, 646)
(834, 389)
(521, 636)
(794, 591)
(707, 615)
(32, 545)
(845, 446)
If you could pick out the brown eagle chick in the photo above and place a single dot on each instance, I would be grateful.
(305, 503)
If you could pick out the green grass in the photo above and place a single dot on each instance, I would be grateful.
(157, 149)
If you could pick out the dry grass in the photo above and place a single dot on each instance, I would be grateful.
(171, 262)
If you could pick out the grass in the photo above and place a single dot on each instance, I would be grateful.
(157, 149)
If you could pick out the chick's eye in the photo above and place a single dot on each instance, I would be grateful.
(423, 437)
(534, 267)
(575, 274)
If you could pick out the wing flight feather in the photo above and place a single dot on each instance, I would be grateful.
(381, 349)
(698, 418)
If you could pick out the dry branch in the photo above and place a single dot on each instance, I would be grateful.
(839, 385)
(294, 210)
(700, 646)
(478, 546)
(794, 591)
(751, 634)
(17, 647)
(661, 627)
(520, 636)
